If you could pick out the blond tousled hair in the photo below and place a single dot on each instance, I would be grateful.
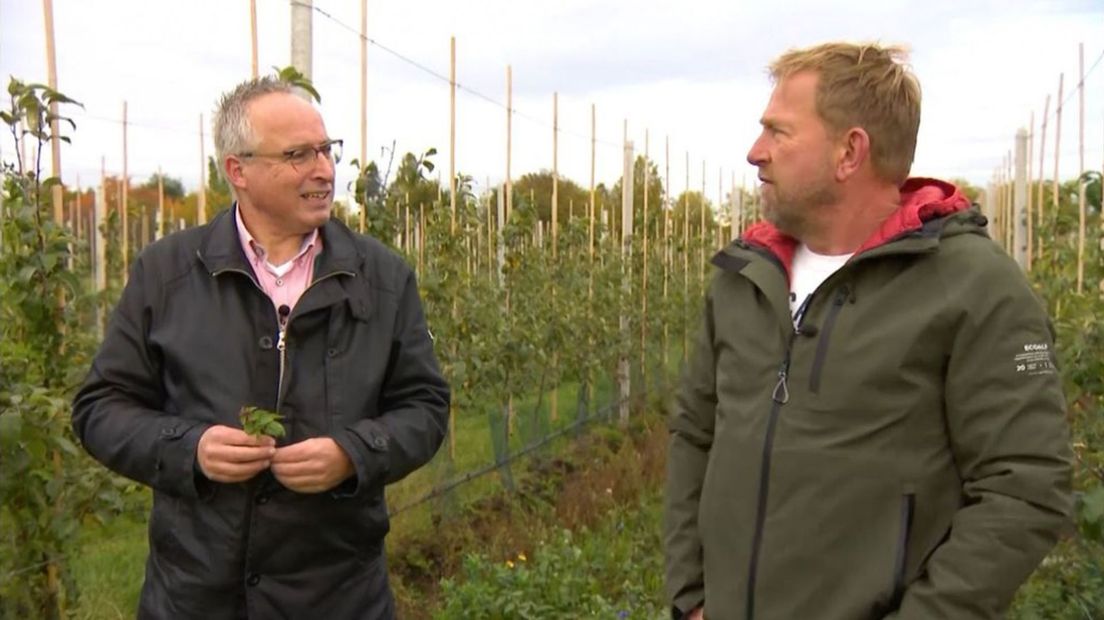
(864, 85)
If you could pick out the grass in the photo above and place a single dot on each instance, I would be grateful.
(110, 567)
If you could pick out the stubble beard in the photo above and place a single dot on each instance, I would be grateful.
(793, 213)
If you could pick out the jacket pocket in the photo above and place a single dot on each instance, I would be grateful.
(908, 507)
(825, 337)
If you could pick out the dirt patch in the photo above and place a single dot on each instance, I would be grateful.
(573, 488)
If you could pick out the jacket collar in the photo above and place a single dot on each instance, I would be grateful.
(220, 247)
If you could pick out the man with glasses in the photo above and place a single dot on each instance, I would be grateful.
(272, 305)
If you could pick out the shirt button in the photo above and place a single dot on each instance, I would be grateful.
(262, 499)
(279, 281)
(265, 342)
(253, 579)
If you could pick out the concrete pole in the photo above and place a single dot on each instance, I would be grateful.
(302, 12)
(623, 375)
(1019, 219)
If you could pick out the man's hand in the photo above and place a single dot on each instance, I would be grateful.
(227, 454)
(311, 466)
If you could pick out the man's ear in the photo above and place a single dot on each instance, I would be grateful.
(234, 172)
(854, 152)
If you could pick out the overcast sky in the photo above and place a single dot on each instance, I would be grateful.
(690, 72)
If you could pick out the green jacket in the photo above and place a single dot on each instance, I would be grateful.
(903, 453)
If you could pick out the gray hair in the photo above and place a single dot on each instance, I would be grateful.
(233, 133)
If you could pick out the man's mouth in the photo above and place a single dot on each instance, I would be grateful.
(316, 195)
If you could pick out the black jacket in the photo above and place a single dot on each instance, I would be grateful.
(191, 341)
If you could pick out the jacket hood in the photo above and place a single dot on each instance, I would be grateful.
(922, 200)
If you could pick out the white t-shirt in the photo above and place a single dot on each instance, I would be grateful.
(809, 271)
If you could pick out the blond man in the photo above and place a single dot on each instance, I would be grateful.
(871, 425)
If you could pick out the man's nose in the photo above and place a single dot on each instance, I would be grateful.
(324, 167)
(757, 155)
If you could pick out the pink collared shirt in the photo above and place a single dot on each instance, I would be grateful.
(284, 284)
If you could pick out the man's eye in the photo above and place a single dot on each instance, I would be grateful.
(298, 156)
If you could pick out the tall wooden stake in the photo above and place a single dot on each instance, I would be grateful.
(363, 103)
(644, 273)
(1081, 170)
(160, 204)
(1057, 145)
(1042, 178)
(1030, 194)
(554, 399)
(253, 35)
(201, 198)
(666, 242)
(123, 210)
(55, 140)
(509, 139)
(452, 132)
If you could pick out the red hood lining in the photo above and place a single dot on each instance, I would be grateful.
(922, 200)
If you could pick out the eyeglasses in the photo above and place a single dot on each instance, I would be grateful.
(303, 156)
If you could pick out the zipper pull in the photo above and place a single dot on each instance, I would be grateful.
(282, 314)
(781, 393)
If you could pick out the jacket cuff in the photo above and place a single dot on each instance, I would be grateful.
(686, 602)
(176, 471)
(368, 453)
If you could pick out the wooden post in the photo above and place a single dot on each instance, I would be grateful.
(55, 140)
(1081, 170)
(53, 569)
(1009, 219)
(452, 132)
(500, 249)
(686, 256)
(509, 139)
(554, 398)
(1057, 144)
(123, 206)
(99, 240)
(1030, 194)
(253, 35)
(644, 273)
(591, 214)
(201, 198)
(160, 231)
(666, 242)
(363, 104)
(555, 173)
(701, 259)
(1019, 206)
(1039, 190)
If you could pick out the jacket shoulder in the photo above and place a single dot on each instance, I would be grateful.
(386, 268)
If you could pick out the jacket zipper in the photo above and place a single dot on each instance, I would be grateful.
(908, 506)
(825, 335)
(780, 396)
(281, 343)
(282, 321)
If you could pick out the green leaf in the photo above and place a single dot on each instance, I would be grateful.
(257, 422)
(1092, 505)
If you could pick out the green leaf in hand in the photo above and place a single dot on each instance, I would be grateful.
(257, 422)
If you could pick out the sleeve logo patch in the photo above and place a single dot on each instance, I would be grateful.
(1035, 360)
